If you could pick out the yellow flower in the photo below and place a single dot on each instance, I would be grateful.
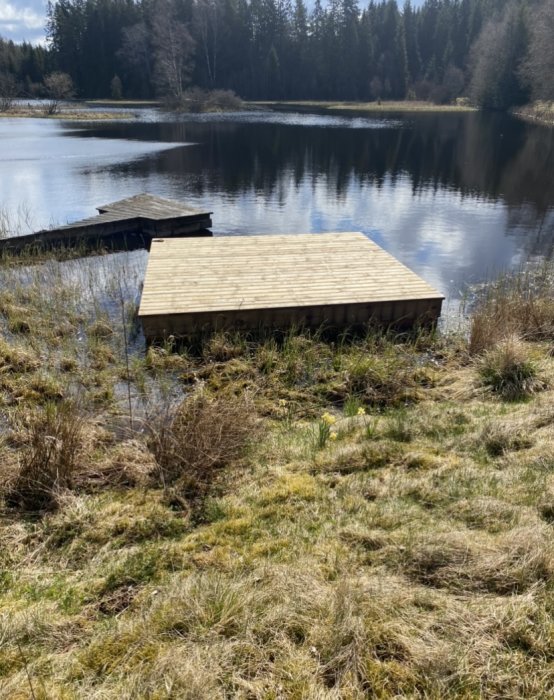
(282, 403)
(333, 436)
(328, 418)
(361, 411)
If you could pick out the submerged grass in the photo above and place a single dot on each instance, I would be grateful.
(270, 517)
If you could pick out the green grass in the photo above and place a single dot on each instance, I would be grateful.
(385, 532)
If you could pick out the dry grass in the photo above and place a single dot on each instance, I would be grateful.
(409, 555)
(377, 106)
(76, 114)
(50, 456)
(520, 304)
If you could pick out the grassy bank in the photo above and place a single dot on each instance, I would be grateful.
(538, 112)
(123, 103)
(75, 113)
(280, 517)
(381, 106)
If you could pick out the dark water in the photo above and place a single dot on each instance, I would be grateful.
(457, 197)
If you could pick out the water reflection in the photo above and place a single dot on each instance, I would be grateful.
(454, 196)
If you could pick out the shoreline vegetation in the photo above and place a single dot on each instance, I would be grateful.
(196, 100)
(193, 100)
(68, 112)
(376, 106)
(538, 112)
(273, 516)
(203, 102)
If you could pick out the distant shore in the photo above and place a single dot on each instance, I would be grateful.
(91, 110)
(72, 113)
(380, 106)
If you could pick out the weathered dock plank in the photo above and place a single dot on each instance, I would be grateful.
(334, 279)
(130, 222)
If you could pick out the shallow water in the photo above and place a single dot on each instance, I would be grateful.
(457, 197)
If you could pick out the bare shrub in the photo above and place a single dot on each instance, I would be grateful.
(53, 437)
(196, 99)
(225, 100)
(59, 87)
(8, 90)
(195, 441)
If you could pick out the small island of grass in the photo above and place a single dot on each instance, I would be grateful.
(375, 106)
(70, 113)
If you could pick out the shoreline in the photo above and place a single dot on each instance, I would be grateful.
(384, 106)
(77, 114)
(536, 113)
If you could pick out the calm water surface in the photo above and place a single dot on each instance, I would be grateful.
(456, 197)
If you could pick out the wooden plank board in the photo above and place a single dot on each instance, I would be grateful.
(242, 274)
(142, 215)
(149, 206)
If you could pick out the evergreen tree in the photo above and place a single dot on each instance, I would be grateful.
(278, 49)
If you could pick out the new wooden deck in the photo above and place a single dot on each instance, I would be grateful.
(129, 222)
(332, 279)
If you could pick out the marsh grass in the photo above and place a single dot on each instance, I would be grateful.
(510, 370)
(220, 547)
(50, 457)
(520, 304)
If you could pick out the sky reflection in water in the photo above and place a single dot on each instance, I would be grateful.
(456, 197)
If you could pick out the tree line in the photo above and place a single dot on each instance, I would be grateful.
(497, 52)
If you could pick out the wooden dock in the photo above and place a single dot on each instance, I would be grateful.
(333, 279)
(128, 223)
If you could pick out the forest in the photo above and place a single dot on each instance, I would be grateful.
(496, 53)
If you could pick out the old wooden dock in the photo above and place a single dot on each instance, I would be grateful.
(129, 223)
(331, 279)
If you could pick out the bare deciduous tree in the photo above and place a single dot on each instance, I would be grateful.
(538, 68)
(496, 57)
(59, 87)
(173, 51)
(135, 50)
(206, 22)
(8, 89)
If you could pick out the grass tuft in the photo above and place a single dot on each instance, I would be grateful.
(510, 370)
(50, 459)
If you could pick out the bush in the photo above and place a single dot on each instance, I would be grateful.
(194, 442)
(53, 437)
(59, 87)
(198, 100)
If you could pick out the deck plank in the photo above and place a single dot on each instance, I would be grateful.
(142, 215)
(294, 273)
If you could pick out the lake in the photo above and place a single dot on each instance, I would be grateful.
(455, 196)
